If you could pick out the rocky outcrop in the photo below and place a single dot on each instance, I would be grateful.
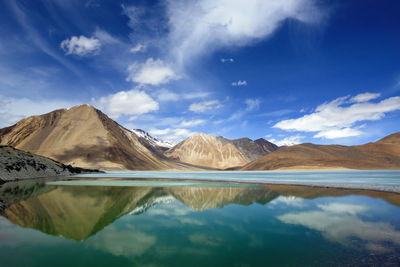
(383, 154)
(16, 165)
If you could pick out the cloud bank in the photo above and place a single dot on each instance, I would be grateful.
(338, 118)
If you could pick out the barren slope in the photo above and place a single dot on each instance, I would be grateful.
(383, 154)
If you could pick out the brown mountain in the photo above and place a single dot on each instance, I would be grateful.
(218, 152)
(85, 137)
(383, 154)
(253, 150)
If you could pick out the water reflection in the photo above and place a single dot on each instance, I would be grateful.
(147, 223)
(341, 222)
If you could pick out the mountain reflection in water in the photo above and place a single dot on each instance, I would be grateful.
(130, 221)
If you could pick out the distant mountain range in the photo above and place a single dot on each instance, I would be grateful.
(218, 152)
(383, 154)
(84, 136)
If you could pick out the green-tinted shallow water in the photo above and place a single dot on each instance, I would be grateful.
(196, 225)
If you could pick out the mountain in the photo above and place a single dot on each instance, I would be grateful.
(16, 164)
(219, 152)
(383, 154)
(253, 150)
(151, 142)
(85, 137)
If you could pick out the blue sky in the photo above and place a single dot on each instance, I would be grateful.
(290, 71)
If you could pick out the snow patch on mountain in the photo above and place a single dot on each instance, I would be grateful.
(152, 140)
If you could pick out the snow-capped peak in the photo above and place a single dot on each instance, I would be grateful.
(152, 140)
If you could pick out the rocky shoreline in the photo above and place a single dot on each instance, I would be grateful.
(20, 165)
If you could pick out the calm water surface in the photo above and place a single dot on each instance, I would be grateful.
(196, 224)
(355, 177)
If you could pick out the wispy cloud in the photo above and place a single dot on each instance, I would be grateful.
(338, 118)
(138, 48)
(252, 104)
(199, 28)
(205, 106)
(20, 13)
(168, 95)
(191, 123)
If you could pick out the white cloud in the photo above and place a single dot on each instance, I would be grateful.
(365, 97)
(338, 133)
(205, 106)
(81, 46)
(239, 83)
(106, 38)
(206, 25)
(191, 123)
(15, 109)
(337, 119)
(170, 134)
(287, 141)
(152, 72)
(133, 102)
(138, 48)
(227, 60)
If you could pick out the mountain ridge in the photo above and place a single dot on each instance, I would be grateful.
(382, 154)
(219, 152)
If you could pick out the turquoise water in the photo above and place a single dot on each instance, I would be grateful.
(379, 177)
(156, 223)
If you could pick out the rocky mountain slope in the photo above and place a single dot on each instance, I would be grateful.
(151, 142)
(383, 154)
(16, 165)
(84, 136)
(218, 152)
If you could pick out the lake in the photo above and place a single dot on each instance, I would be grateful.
(195, 223)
